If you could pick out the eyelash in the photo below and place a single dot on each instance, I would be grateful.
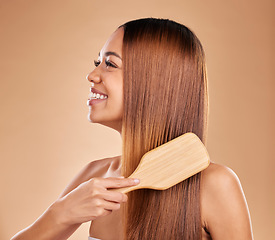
(108, 63)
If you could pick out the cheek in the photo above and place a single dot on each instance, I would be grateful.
(115, 86)
(118, 99)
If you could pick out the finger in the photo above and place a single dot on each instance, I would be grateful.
(111, 206)
(105, 212)
(119, 182)
(114, 196)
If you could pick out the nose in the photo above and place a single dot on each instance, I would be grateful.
(94, 76)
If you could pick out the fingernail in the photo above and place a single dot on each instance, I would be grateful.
(136, 180)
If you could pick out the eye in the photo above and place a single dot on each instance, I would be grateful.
(96, 63)
(110, 64)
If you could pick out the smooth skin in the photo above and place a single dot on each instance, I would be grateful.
(88, 198)
(224, 210)
(225, 214)
(107, 77)
(86, 202)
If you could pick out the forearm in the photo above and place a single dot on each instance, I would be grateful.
(89, 201)
(49, 226)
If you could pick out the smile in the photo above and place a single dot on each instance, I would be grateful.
(97, 96)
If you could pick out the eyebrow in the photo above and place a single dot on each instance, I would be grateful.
(111, 53)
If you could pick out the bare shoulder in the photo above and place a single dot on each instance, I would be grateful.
(220, 184)
(107, 167)
(217, 175)
(224, 209)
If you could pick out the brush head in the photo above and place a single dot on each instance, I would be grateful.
(170, 163)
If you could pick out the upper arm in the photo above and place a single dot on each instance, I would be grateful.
(224, 208)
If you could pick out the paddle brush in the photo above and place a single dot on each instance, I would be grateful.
(170, 163)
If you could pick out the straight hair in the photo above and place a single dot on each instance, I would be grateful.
(165, 95)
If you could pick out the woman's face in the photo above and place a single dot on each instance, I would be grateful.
(106, 98)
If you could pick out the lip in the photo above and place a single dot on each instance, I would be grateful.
(93, 90)
(91, 101)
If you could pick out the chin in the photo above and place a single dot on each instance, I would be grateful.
(116, 125)
(89, 117)
(93, 118)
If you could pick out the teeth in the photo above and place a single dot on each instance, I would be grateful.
(98, 96)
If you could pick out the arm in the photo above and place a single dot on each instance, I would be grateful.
(224, 207)
(47, 227)
(80, 202)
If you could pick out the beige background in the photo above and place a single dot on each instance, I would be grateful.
(48, 47)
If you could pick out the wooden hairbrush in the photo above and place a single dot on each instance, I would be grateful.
(170, 163)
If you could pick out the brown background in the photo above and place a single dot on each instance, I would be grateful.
(47, 48)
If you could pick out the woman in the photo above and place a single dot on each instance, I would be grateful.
(150, 85)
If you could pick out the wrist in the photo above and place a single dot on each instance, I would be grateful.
(62, 221)
(58, 213)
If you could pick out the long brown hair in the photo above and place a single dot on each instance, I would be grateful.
(165, 96)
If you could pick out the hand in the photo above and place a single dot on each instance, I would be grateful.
(92, 199)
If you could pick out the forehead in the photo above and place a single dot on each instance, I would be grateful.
(114, 43)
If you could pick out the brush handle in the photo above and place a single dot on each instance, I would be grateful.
(127, 189)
